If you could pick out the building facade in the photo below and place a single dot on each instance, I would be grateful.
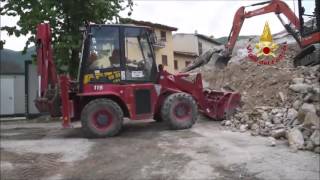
(163, 45)
(183, 59)
(189, 46)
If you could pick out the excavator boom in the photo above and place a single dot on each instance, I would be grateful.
(278, 7)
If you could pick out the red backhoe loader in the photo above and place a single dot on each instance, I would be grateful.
(118, 78)
(305, 29)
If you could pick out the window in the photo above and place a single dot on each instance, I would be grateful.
(138, 57)
(187, 63)
(104, 49)
(309, 17)
(163, 36)
(200, 48)
(164, 60)
(175, 64)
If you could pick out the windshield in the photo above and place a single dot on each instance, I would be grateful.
(104, 48)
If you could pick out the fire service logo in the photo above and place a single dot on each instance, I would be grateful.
(266, 51)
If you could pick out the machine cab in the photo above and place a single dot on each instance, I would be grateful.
(117, 54)
(309, 15)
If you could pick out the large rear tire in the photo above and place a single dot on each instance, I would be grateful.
(101, 118)
(179, 110)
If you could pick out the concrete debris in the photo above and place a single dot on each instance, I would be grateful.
(281, 101)
(296, 105)
(301, 88)
(311, 120)
(295, 138)
(292, 113)
(282, 96)
(306, 107)
(278, 133)
(243, 128)
(271, 141)
(228, 123)
(309, 145)
(317, 149)
(298, 80)
(315, 138)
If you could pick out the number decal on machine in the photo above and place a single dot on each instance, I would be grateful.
(98, 87)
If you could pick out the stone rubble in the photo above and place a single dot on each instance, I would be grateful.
(279, 101)
(296, 119)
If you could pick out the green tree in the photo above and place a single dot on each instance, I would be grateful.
(65, 17)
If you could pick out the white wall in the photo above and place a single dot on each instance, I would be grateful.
(206, 45)
(185, 43)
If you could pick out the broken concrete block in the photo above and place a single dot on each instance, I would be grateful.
(315, 137)
(317, 149)
(228, 123)
(309, 145)
(298, 80)
(311, 119)
(271, 141)
(296, 105)
(304, 109)
(307, 107)
(300, 88)
(292, 113)
(295, 138)
(278, 133)
(243, 127)
(254, 126)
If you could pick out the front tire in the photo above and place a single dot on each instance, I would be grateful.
(179, 110)
(101, 118)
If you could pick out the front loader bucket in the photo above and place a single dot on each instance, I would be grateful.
(220, 104)
(50, 103)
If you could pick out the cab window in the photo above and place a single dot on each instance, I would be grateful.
(138, 55)
(104, 48)
(309, 15)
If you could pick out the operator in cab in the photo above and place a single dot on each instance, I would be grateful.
(102, 61)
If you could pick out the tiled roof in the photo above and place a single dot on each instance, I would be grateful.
(147, 23)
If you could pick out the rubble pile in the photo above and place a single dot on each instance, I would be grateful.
(279, 101)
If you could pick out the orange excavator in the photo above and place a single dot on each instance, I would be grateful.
(305, 29)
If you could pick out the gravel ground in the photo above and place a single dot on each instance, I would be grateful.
(148, 150)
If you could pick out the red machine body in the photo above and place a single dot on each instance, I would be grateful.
(137, 100)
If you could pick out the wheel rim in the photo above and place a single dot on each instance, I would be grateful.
(102, 119)
(182, 111)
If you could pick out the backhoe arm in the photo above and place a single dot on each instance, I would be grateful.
(48, 98)
(275, 6)
(47, 75)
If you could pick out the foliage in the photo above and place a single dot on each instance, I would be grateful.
(65, 18)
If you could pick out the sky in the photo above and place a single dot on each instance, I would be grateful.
(209, 17)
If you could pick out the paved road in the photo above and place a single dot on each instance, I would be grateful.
(148, 150)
